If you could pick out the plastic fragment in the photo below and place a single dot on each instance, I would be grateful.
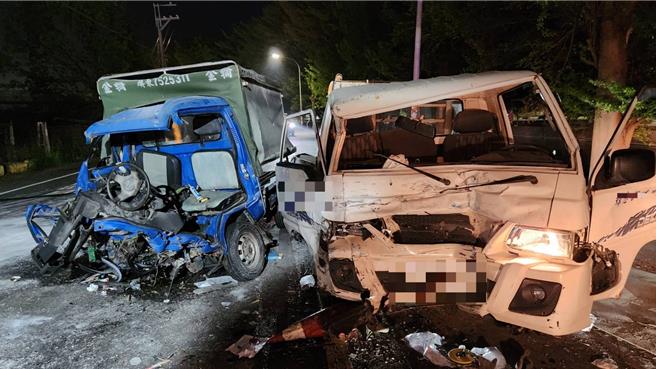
(211, 284)
(491, 354)
(307, 282)
(92, 287)
(15, 278)
(427, 344)
(247, 346)
(274, 255)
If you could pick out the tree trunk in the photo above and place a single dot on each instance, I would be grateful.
(616, 21)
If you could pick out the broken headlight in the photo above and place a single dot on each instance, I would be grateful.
(541, 241)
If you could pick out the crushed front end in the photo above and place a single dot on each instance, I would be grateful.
(459, 258)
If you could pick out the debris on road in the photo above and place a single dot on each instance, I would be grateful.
(92, 287)
(15, 278)
(491, 354)
(215, 283)
(247, 346)
(333, 320)
(593, 320)
(274, 255)
(431, 346)
(135, 285)
(307, 282)
(427, 343)
(605, 363)
(135, 361)
(226, 304)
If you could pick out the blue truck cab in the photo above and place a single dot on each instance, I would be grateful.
(173, 178)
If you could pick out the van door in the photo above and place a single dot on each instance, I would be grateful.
(623, 199)
(300, 175)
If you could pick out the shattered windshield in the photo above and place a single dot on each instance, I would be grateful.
(451, 132)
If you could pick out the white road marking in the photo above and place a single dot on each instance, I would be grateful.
(38, 183)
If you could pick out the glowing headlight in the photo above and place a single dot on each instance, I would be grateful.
(541, 241)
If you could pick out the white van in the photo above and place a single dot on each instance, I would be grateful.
(467, 189)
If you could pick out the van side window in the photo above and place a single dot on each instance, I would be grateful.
(532, 122)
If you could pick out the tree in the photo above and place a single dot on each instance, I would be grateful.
(608, 42)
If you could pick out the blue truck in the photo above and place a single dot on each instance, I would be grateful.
(181, 174)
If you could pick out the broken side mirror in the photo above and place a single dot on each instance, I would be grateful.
(630, 165)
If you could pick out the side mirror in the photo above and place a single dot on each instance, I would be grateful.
(631, 165)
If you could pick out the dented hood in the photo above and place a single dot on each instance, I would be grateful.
(365, 196)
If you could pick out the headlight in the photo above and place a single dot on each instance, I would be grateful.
(541, 241)
(292, 125)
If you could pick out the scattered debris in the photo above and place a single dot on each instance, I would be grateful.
(247, 346)
(324, 321)
(15, 278)
(160, 364)
(461, 356)
(135, 361)
(135, 285)
(427, 343)
(215, 283)
(166, 301)
(307, 282)
(225, 304)
(605, 363)
(273, 255)
(92, 287)
(491, 354)
(430, 345)
(593, 320)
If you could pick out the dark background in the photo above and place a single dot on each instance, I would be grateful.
(52, 53)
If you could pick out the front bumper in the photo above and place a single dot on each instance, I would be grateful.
(544, 294)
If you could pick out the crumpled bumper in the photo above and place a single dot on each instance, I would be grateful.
(544, 294)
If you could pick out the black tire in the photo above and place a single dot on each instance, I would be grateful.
(277, 217)
(246, 255)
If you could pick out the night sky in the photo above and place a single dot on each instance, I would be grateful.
(196, 18)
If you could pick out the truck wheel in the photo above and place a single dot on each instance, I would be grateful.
(246, 254)
(279, 222)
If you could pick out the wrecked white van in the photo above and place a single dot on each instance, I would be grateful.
(467, 189)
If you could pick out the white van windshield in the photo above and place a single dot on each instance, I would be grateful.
(446, 132)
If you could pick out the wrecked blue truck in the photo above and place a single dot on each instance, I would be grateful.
(181, 173)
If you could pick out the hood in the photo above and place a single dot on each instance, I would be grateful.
(358, 197)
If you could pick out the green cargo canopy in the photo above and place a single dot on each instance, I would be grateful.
(257, 104)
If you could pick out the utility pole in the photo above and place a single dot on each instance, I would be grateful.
(417, 59)
(160, 23)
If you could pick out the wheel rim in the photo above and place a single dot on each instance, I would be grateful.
(247, 249)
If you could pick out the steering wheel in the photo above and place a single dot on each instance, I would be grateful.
(128, 186)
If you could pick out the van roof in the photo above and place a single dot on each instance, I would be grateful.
(372, 98)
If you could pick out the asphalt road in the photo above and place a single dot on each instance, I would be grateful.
(57, 323)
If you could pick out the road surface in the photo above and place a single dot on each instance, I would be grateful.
(57, 323)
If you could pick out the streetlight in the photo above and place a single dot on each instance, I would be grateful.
(278, 56)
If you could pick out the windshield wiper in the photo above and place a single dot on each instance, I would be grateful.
(431, 176)
(515, 179)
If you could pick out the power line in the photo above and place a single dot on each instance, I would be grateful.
(160, 23)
